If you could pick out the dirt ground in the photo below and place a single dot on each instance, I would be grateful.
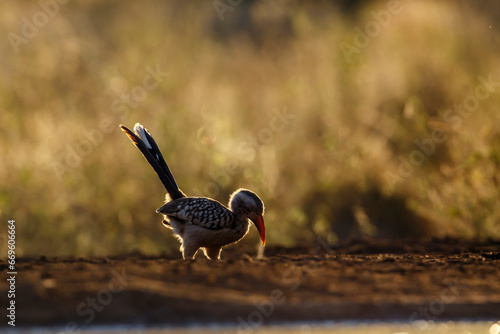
(404, 280)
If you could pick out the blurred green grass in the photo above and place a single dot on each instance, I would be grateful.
(327, 172)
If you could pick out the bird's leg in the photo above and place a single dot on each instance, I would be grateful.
(213, 253)
(189, 251)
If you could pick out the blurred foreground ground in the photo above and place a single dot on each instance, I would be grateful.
(403, 280)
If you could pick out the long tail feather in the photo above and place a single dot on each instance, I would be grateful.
(155, 151)
(146, 144)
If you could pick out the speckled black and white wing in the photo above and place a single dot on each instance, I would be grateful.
(200, 211)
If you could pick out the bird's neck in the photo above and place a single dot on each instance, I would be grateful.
(241, 224)
(240, 214)
(237, 208)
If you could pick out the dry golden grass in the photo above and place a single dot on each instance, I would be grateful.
(332, 169)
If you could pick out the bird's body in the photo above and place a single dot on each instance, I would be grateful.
(203, 222)
(200, 222)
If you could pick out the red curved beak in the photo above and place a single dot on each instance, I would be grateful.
(259, 223)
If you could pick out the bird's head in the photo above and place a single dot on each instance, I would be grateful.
(246, 203)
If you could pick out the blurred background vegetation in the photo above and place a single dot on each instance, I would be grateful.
(344, 116)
